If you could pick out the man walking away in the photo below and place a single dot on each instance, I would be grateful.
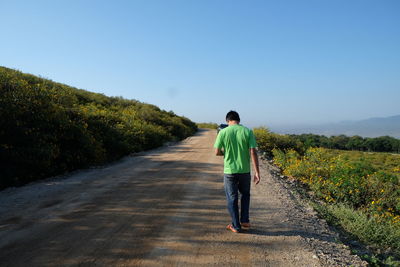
(237, 144)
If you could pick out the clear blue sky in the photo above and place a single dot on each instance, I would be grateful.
(275, 62)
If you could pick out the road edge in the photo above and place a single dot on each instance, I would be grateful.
(330, 249)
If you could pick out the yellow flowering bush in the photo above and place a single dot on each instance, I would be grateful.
(360, 191)
(335, 178)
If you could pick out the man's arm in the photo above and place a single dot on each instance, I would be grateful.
(219, 152)
(254, 160)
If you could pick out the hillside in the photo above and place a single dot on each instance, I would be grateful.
(373, 127)
(48, 128)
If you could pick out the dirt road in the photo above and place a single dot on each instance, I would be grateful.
(164, 207)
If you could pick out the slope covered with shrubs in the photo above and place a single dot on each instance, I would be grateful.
(48, 128)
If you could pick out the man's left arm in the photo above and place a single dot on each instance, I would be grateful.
(254, 158)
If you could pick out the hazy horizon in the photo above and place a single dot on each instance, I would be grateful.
(275, 62)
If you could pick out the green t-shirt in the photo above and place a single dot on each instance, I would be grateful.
(236, 140)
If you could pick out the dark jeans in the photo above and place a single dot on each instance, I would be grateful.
(234, 183)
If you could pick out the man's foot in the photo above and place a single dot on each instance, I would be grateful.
(230, 227)
(245, 226)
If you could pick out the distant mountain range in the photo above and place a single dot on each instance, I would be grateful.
(372, 127)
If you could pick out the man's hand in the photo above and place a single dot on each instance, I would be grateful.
(256, 178)
(219, 152)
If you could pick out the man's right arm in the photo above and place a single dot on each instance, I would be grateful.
(254, 159)
(218, 145)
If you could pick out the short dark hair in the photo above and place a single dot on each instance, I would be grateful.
(232, 116)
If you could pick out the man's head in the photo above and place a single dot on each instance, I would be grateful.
(232, 116)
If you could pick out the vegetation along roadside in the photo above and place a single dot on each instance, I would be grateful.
(48, 128)
(207, 125)
(357, 191)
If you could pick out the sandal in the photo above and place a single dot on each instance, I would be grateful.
(230, 227)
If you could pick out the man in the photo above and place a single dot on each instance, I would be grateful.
(237, 144)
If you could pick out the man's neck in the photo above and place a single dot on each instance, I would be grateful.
(233, 123)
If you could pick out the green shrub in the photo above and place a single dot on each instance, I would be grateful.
(207, 125)
(381, 235)
(268, 141)
(363, 199)
(47, 128)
